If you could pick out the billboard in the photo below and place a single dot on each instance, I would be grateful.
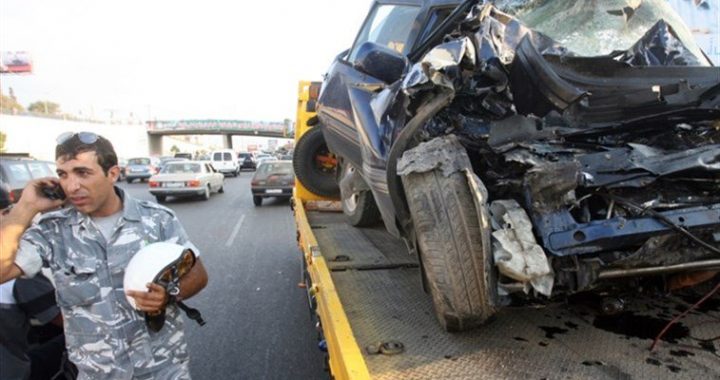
(15, 62)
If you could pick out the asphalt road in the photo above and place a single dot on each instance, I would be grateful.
(258, 324)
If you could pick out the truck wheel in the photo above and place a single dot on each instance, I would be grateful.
(454, 249)
(314, 165)
(257, 200)
(358, 205)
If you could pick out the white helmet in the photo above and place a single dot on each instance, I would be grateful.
(161, 263)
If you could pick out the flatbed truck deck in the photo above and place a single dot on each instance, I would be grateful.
(383, 325)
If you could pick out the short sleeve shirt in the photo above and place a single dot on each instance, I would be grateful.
(105, 336)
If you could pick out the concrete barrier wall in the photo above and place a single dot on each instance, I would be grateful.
(36, 136)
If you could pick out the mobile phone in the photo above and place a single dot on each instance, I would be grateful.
(53, 192)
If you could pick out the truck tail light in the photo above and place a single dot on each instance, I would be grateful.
(154, 184)
(193, 183)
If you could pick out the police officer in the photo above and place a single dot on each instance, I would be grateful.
(87, 247)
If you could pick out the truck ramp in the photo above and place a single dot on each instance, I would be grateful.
(392, 320)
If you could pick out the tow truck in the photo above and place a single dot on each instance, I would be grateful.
(376, 322)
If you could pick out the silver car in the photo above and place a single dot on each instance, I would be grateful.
(185, 179)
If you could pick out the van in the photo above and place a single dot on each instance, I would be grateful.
(224, 161)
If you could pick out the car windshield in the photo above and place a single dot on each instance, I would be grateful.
(279, 168)
(175, 168)
(592, 28)
(139, 161)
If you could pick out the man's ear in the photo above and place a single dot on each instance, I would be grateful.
(114, 173)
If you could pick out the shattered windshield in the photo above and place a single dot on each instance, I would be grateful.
(592, 28)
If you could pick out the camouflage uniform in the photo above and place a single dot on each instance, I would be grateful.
(106, 337)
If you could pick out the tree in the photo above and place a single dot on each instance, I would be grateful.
(8, 104)
(174, 149)
(3, 137)
(45, 107)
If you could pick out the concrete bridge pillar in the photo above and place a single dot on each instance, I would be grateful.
(155, 145)
(227, 142)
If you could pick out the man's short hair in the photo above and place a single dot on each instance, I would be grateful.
(104, 150)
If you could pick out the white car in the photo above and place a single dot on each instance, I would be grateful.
(224, 161)
(186, 179)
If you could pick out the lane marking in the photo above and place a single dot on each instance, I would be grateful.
(231, 239)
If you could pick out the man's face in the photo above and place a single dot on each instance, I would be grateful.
(87, 187)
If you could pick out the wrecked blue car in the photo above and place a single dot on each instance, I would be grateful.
(530, 148)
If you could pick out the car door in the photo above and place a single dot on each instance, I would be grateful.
(214, 177)
(344, 104)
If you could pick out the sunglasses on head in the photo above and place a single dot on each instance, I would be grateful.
(84, 137)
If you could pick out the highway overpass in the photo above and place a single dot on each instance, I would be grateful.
(156, 129)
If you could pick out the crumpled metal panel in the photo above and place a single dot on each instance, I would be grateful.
(660, 46)
(440, 153)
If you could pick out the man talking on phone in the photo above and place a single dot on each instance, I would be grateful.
(87, 247)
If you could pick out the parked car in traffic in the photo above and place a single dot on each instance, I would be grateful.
(140, 168)
(224, 161)
(186, 179)
(537, 147)
(166, 160)
(264, 158)
(272, 179)
(246, 161)
(187, 156)
(15, 173)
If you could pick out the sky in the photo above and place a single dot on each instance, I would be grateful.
(176, 59)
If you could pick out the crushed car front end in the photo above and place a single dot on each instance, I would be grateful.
(590, 167)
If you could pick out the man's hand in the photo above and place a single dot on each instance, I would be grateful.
(14, 223)
(153, 301)
(34, 201)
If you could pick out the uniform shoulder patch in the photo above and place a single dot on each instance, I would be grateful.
(58, 214)
(155, 206)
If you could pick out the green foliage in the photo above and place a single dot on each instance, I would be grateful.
(10, 105)
(174, 149)
(3, 138)
(45, 107)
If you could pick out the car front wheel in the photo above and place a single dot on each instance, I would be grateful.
(455, 248)
(206, 194)
(257, 200)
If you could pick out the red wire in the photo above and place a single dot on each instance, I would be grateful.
(674, 320)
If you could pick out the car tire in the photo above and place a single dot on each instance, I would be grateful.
(455, 251)
(359, 206)
(206, 194)
(161, 198)
(257, 200)
(221, 189)
(128, 180)
(316, 176)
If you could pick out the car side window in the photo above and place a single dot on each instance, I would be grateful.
(19, 172)
(39, 170)
(389, 26)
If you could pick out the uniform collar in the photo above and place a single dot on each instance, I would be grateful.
(129, 212)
